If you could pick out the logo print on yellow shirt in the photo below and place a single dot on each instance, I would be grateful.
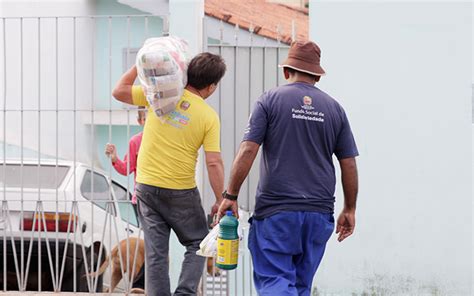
(177, 119)
(185, 105)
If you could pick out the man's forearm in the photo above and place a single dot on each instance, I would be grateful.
(241, 166)
(216, 178)
(350, 183)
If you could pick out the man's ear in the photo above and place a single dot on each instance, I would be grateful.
(286, 73)
(209, 90)
(318, 78)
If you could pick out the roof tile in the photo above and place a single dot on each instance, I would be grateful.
(266, 18)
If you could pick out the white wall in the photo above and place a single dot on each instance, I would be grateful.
(40, 78)
(157, 7)
(187, 22)
(29, 8)
(403, 73)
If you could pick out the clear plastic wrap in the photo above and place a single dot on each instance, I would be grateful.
(208, 246)
(161, 65)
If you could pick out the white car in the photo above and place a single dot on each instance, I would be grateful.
(56, 215)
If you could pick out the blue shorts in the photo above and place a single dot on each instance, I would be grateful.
(286, 251)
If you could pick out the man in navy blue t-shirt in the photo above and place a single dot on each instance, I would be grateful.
(300, 129)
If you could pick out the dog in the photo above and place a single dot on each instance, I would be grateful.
(212, 269)
(135, 264)
(139, 263)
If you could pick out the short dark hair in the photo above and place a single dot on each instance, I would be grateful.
(205, 69)
(293, 72)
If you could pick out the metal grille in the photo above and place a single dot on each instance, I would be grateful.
(63, 207)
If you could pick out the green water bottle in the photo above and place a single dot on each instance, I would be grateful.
(228, 242)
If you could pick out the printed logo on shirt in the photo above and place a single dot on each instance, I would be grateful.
(177, 119)
(307, 111)
(185, 105)
(308, 102)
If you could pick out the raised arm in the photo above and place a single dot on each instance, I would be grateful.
(121, 165)
(346, 221)
(123, 89)
(130, 159)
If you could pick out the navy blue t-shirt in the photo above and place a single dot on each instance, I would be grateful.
(300, 127)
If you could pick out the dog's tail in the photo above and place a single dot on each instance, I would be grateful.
(137, 291)
(101, 270)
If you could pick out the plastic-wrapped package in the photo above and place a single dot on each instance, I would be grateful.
(208, 246)
(161, 65)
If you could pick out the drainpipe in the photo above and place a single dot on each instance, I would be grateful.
(186, 21)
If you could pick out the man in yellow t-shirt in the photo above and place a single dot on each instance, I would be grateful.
(166, 187)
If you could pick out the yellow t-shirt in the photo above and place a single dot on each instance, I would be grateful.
(169, 148)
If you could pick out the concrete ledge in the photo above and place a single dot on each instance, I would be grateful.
(61, 293)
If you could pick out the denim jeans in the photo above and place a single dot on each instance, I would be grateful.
(160, 211)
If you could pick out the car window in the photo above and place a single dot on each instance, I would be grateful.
(126, 208)
(32, 175)
(120, 192)
(128, 212)
(96, 189)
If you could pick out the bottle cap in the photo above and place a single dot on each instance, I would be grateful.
(228, 213)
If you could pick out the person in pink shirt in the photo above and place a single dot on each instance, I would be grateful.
(132, 155)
